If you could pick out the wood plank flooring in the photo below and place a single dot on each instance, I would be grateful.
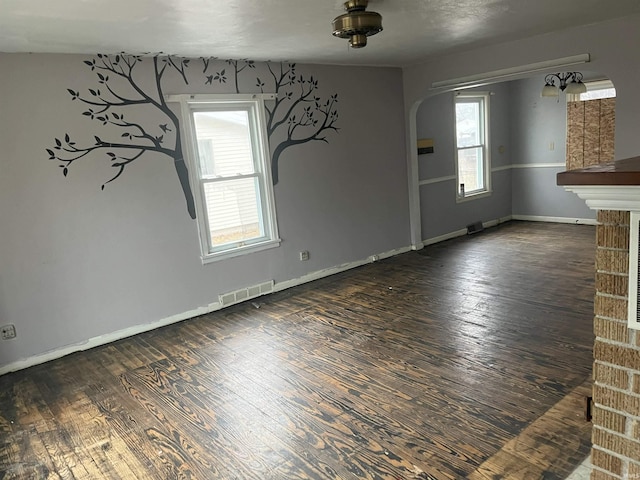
(467, 359)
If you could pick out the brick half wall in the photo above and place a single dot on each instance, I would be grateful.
(616, 370)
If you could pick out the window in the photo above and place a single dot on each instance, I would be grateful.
(472, 145)
(229, 158)
(595, 90)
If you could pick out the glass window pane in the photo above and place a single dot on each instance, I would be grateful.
(471, 169)
(224, 143)
(205, 152)
(233, 210)
(468, 127)
(600, 93)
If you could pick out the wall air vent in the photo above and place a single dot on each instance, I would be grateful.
(634, 272)
(247, 293)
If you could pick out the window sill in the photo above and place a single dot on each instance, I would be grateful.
(240, 251)
(472, 196)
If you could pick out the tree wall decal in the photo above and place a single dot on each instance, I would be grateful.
(108, 107)
(298, 110)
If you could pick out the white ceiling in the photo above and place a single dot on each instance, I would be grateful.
(294, 30)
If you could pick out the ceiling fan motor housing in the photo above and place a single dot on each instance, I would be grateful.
(357, 24)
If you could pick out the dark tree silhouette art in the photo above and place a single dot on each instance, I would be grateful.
(221, 76)
(108, 107)
(298, 109)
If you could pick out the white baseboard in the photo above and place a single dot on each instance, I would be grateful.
(527, 218)
(101, 340)
(446, 236)
(310, 277)
(515, 166)
(497, 221)
(540, 218)
(463, 231)
(212, 307)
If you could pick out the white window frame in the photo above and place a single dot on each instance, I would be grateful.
(486, 150)
(254, 105)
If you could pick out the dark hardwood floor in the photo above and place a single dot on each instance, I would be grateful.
(468, 359)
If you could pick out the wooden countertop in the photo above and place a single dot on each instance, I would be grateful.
(620, 172)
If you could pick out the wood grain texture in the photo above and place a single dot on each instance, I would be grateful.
(607, 129)
(463, 360)
(575, 135)
(590, 132)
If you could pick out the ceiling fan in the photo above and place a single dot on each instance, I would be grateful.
(357, 24)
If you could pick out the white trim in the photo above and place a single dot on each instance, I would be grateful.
(463, 231)
(310, 277)
(212, 307)
(447, 178)
(446, 236)
(101, 340)
(493, 223)
(624, 198)
(482, 99)
(505, 73)
(604, 84)
(216, 97)
(436, 180)
(608, 197)
(496, 222)
(593, 86)
(542, 218)
(240, 251)
(413, 177)
(632, 294)
(253, 104)
(539, 165)
(473, 196)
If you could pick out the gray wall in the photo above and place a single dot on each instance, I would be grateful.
(611, 46)
(78, 263)
(440, 213)
(538, 138)
(524, 170)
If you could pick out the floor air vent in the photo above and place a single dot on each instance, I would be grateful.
(475, 228)
(243, 294)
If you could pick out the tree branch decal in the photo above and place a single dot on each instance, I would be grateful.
(107, 105)
(307, 116)
(298, 112)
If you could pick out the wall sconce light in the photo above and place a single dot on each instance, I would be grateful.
(570, 83)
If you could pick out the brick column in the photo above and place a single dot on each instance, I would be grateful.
(616, 370)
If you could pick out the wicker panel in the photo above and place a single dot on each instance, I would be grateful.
(575, 135)
(591, 132)
(607, 129)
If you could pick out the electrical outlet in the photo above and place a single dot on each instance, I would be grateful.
(8, 332)
(304, 255)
